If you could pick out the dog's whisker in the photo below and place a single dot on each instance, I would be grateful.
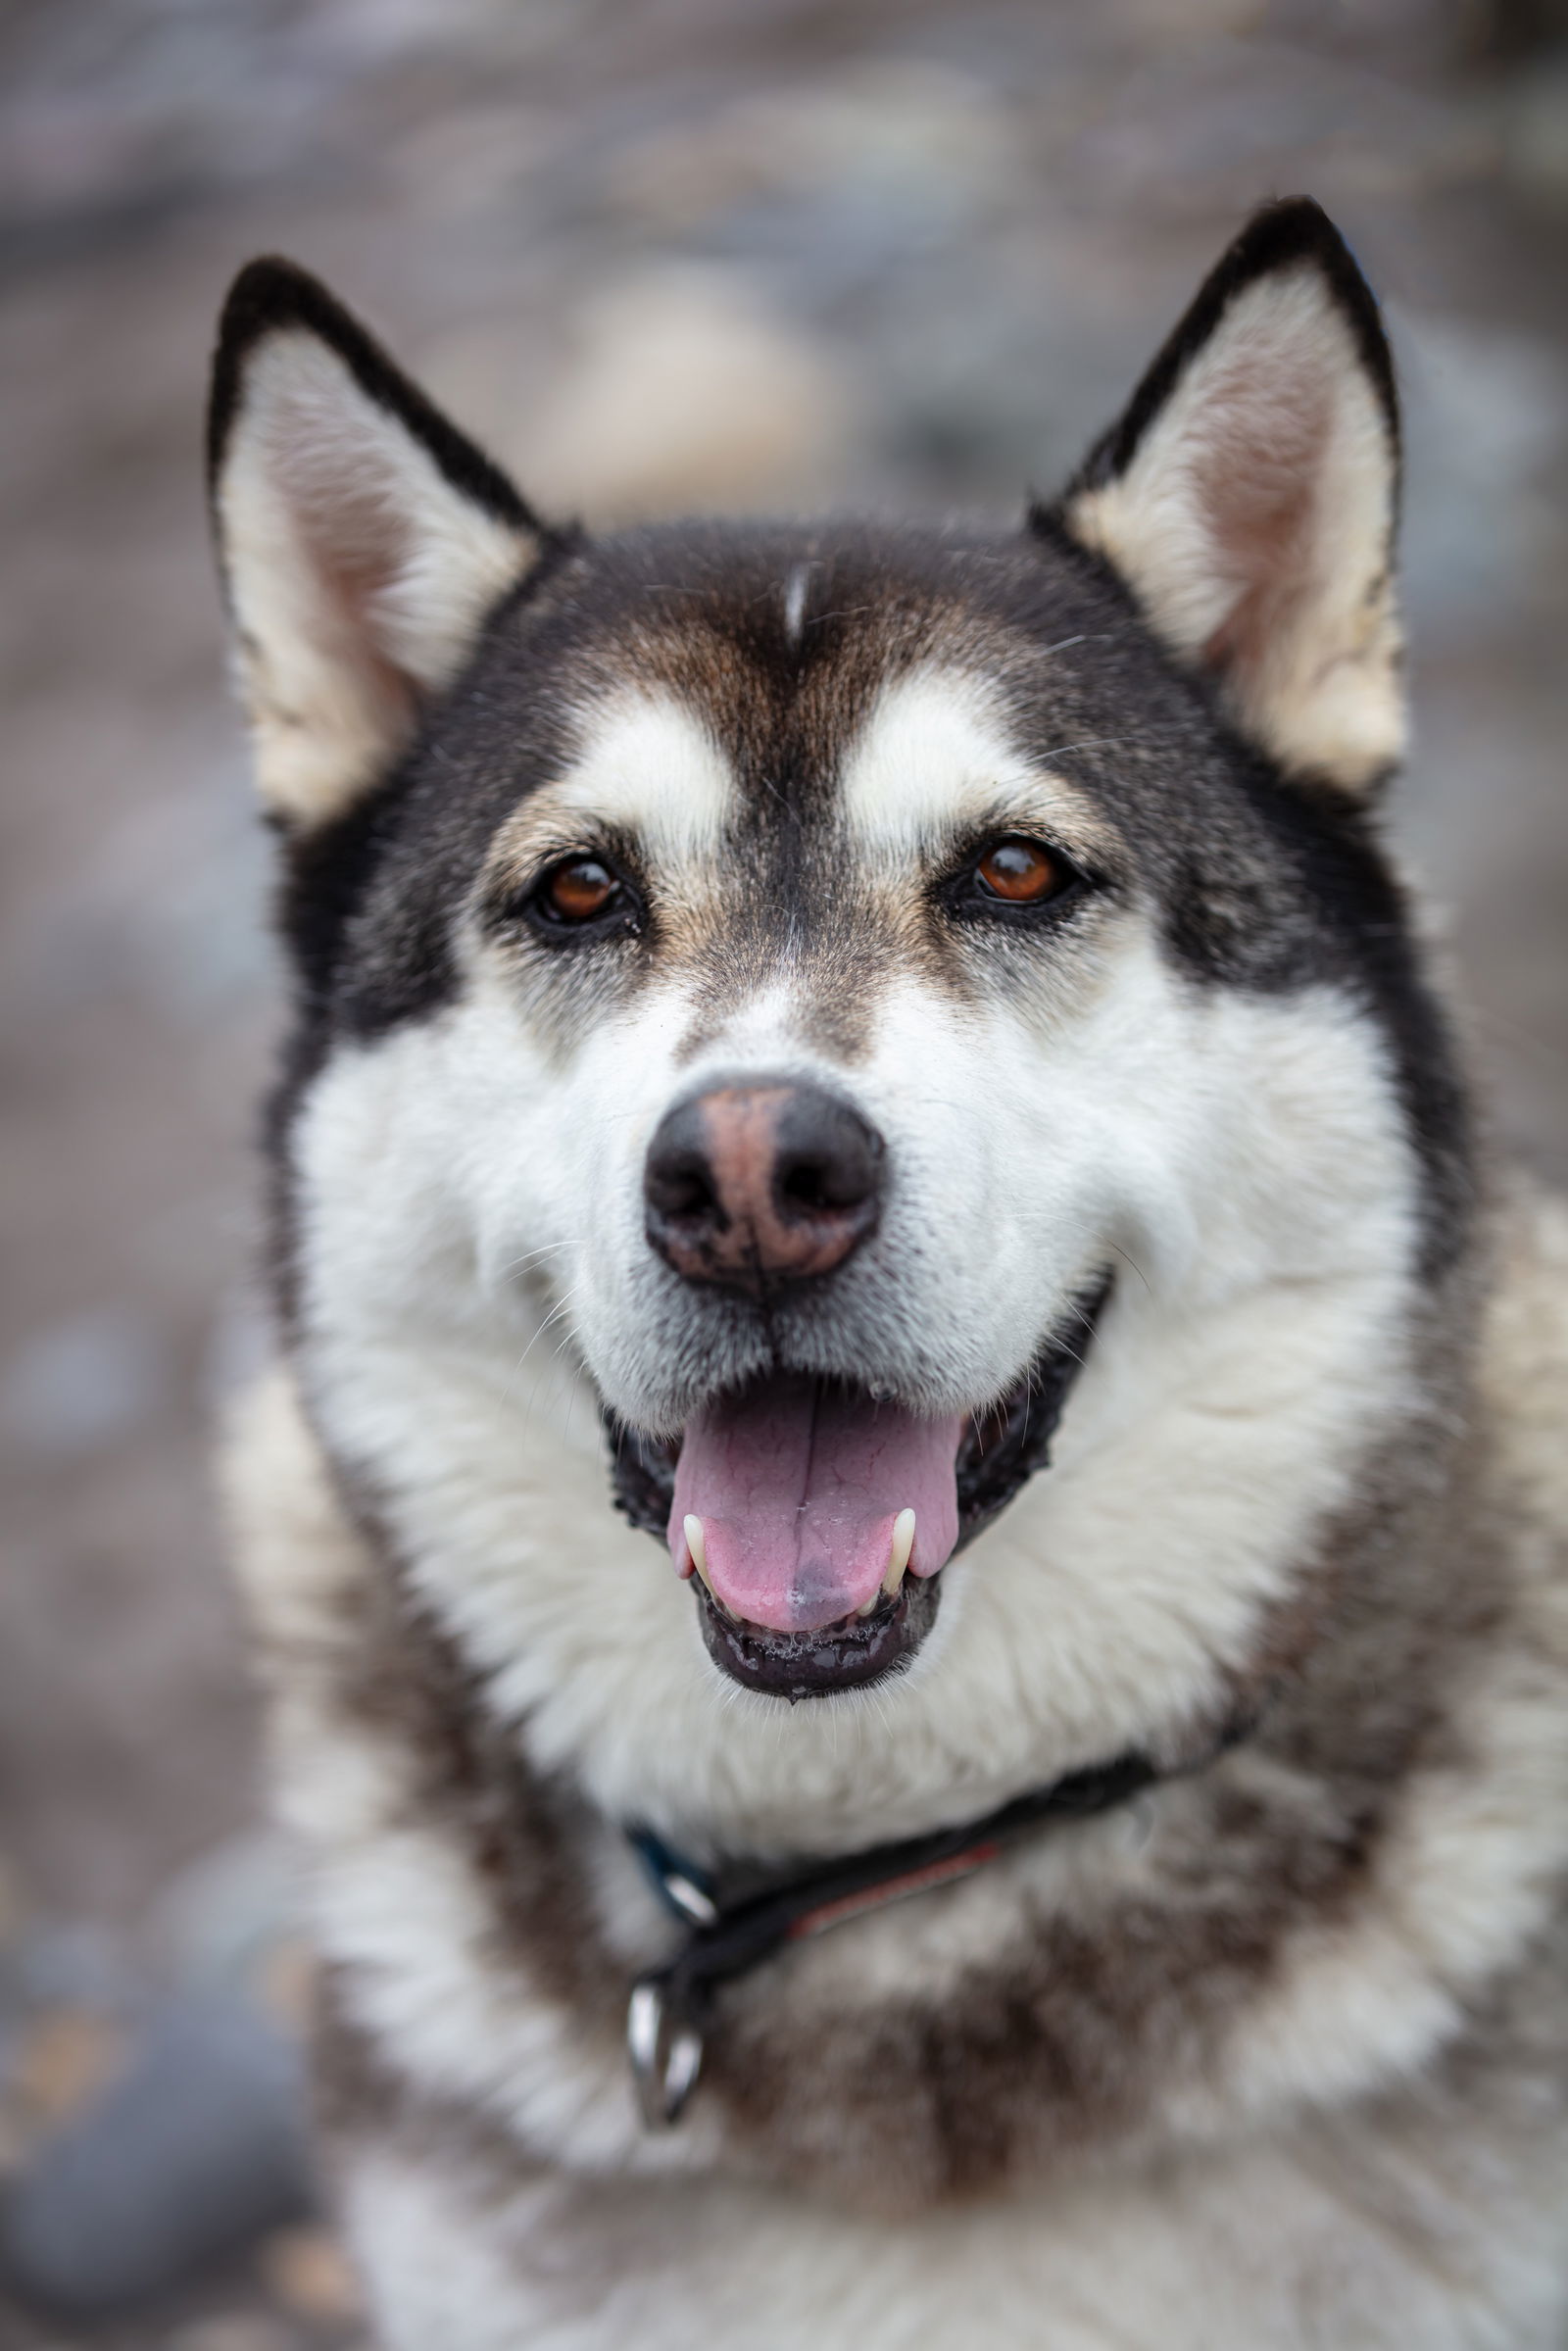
(1131, 1260)
(547, 1323)
(531, 1257)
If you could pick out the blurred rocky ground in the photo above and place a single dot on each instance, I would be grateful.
(719, 252)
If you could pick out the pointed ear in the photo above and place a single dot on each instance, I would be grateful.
(1249, 499)
(363, 539)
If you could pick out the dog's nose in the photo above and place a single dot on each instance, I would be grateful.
(755, 1185)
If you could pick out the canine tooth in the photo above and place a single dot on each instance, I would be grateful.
(902, 1546)
(692, 1528)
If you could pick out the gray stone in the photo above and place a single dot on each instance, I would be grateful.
(195, 2151)
(85, 1383)
(222, 1916)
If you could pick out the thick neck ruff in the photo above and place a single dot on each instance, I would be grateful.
(739, 1916)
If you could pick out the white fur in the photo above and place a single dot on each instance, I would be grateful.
(1275, 412)
(357, 573)
(796, 590)
(1359, 1999)
(1355, 2241)
(1066, 1633)
(475, 1277)
(933, 759)
(1240, 1162)
(646, 761)
(1243, 1161)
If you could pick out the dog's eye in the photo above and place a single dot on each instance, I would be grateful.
(581, 890)
(1020, 872)
(1014, 880)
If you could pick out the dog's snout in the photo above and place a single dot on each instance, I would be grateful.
(755, 1185)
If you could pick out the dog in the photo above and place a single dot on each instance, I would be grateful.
(896, 1062)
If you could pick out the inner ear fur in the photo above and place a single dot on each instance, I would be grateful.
(363, 540)
(1249, 497)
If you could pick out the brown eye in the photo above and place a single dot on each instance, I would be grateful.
(1021, 872)
(579, 891)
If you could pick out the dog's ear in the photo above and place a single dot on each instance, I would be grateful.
(362, 538)
(1249, 499)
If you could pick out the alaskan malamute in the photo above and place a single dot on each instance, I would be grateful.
(894, 1062)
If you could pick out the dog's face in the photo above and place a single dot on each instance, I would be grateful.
(813, 977)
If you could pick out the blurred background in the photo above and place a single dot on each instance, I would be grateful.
(657, 252)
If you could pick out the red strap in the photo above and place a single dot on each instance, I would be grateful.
(893, 1889)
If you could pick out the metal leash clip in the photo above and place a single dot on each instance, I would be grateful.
(666, 2053)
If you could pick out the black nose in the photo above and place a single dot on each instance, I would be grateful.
(755, 1185)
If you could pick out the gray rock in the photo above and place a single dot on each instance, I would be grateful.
(85, 1383)
(193, 2152)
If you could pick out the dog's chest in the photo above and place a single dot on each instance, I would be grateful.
(1292, 2244)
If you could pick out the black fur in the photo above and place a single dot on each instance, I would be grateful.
(1259, 883)
(1279, 237)
(271, 296)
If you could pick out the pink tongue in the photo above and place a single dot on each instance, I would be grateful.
(798, 1485)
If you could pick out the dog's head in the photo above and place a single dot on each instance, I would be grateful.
(828, 980)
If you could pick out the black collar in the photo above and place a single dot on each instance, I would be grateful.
(738, 1917)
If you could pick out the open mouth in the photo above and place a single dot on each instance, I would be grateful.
(845, 1655)
(813, 1517)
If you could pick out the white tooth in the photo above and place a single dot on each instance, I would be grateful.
(902, 1546)
(867, 1606)
(692, 1528)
